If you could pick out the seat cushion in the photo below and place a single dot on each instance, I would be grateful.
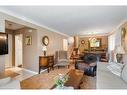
(107, 80)
(13, 84)
(5, 81)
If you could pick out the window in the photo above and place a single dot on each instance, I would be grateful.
(111, 42)
(65, 44)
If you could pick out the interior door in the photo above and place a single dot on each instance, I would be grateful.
(18, 49)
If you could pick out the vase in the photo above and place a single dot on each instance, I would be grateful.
(60, 86)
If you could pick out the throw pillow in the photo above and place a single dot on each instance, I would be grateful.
(124, 73)
(92, 64)
(115, 68)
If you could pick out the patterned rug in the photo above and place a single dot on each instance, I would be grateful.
(9, 73)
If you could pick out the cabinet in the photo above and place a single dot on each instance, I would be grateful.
(46, 62)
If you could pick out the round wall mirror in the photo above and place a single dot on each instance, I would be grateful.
(45, 40)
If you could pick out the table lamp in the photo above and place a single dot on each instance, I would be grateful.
(119, 53)
(44, 49)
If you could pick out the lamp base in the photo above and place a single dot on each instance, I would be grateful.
(44, 53)
(119, 58)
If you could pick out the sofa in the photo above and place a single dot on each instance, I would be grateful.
(107, 80)
(9, 83)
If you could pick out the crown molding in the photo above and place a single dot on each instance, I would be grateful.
(31, 21)
(90, 35)
(118, 26)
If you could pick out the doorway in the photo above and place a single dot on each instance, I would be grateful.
(18, 50)
(8, 61)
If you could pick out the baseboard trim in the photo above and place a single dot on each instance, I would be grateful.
(30, 71)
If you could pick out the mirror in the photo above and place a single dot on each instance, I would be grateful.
(45, 40)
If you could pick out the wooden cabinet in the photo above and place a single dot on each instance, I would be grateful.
(46, 62)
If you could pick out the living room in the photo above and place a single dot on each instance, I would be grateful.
(42, 45)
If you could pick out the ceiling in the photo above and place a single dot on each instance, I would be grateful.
(13, 26)
(71, 20)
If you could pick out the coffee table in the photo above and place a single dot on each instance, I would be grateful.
(74, 80)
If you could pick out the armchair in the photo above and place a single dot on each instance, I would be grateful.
(87, 64)
(61, 58)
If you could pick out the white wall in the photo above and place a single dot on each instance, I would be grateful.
(2, 25)
(2, 57)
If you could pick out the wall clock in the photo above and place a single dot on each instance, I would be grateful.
(45, 40)
(82, 42)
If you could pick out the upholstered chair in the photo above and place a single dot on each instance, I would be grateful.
(87, 64)
(61, 58)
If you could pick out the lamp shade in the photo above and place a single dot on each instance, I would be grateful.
(44, 48)
(71, 40)
(120, 50)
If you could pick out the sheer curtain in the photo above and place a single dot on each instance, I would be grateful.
(111, 47)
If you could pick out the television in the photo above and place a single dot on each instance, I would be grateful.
(3, 43)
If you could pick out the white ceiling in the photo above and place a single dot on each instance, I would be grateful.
(72, 20)
(13, 26)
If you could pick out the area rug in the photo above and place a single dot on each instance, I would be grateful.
(9, 73)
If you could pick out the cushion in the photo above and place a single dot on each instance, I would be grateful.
(124, 73)
(108, 80)
(4, 81)
(114, 71)
(13, 84)
(90, 58)
(92, 64)
(115, 68)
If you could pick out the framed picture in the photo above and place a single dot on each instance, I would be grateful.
(95, 42)
(28, 40)
(123, 36)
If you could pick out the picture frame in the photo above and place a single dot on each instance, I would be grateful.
(28, 40)
(123, 35)
(95, 43)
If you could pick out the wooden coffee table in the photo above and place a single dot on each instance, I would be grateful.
(75, 79)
